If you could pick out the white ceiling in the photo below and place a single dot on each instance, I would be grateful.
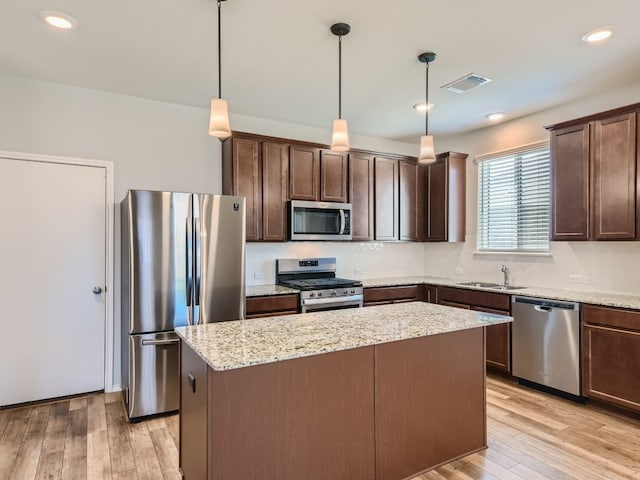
(280, 59)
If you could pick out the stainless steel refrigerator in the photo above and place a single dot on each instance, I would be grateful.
(183, 263)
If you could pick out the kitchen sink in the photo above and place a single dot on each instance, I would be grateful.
(497, 286)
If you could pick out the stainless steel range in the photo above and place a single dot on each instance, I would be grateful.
(318, 285)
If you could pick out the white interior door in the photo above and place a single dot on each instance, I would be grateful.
(52, 255)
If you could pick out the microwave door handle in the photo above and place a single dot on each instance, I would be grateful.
(342, 222)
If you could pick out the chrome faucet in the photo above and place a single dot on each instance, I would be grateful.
(505, 270)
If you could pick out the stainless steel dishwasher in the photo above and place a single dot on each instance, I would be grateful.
(546, 343)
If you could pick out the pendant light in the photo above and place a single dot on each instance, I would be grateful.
(219, 119)
(427, 150)
(340, 135)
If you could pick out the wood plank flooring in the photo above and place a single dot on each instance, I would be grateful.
(531, 436)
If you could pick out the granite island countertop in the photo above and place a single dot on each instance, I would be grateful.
(243, 343)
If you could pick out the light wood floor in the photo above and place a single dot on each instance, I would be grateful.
(531, 436)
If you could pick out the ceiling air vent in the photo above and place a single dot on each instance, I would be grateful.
(466, 83)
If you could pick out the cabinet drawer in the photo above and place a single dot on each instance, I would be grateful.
(390, 294)
(496, 301)
(272, 305)
(611, 317)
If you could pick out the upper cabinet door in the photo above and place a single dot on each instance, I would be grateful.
(361, 196)
(304, 173)
(411, 207)
(275, 172)
(570, 183)
(333, 176)
(386, 198)
(437, 200)
(245, 180)
(613, 178)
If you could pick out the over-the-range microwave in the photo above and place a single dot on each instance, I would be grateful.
(319, 220)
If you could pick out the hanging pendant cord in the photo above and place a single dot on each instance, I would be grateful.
(340, 76)
(426, 113)
(219, 54)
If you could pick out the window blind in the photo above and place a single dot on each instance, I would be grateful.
(513, 200)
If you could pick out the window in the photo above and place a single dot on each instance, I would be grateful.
(513, 200)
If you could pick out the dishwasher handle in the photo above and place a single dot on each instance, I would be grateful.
(543, 308)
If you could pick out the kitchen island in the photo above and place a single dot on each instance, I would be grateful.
(378, 393)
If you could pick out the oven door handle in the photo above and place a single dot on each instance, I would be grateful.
(329, 301)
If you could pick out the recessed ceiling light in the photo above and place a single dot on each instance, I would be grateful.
(597, 35)
(422, 107)
(59, 19)
(495, 116)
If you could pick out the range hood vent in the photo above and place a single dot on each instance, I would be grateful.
(466, 83)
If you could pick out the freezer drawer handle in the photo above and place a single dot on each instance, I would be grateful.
(160, 342)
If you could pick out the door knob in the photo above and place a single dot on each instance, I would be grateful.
(97, 290)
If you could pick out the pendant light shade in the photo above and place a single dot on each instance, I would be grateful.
(427, 149)
(219, 118)
(340, 135)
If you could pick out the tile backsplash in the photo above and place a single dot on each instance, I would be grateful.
(598, 266)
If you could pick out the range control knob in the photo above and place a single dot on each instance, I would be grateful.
(333, 293)
(346, 292)
(353, 291)
(312, 294)
(319, 294)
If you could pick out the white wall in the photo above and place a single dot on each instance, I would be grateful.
(603, 266)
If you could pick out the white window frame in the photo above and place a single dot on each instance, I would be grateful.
(481, 247)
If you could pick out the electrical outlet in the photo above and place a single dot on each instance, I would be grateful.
(575, 279)
(258, 275)
(358, 271)
(459, 271)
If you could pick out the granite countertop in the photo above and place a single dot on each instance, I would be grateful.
(267, 290)
(596, 298)
(242, 343)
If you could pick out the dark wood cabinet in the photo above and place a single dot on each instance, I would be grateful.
(498, 337)
(275, 171)
(594, 175)
(386, 198)
(430, 293)
(611, 355)
(242, 176)
(272, 305)
(304, 173)
(361, 196)
(570, 183)
(258, 171)
(193, 415)
(446, 198)
(411, 201)
(333, 176)
(613, 178)
(388, 295)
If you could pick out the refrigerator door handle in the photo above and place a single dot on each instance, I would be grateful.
(189, 268)
(196, 259)
(160, 342)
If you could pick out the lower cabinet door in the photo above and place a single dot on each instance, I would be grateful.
(611, 362)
